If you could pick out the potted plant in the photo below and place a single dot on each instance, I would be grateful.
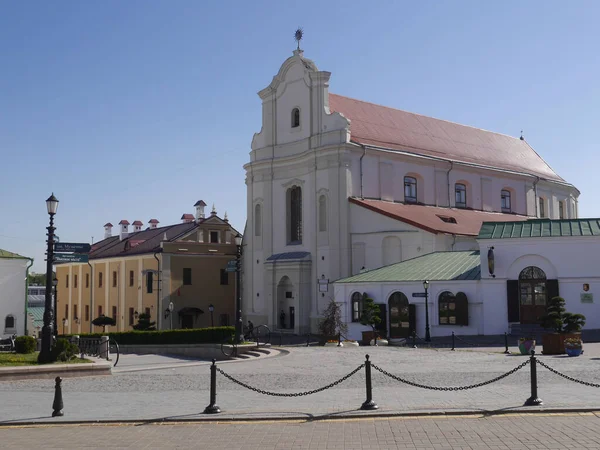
(332, 325)
(573, 346)
(526, 344)
(563, 325)
(369, 316)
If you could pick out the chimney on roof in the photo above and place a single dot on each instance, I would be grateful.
(214, 211)
(200, 210)
(187, 218)
(124, 229)
(107, 230)
(153, 223)
(137, 226)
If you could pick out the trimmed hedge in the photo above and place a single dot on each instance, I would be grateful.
(25, 344)
(187, 336)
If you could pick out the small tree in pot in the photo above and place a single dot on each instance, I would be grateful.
(563, 325)
(370, 316)
(332, 322)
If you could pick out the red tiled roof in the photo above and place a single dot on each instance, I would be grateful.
(187, 216)
(400, 130)
(108, 224)
(153, 221)
(138, 222)
(124, 222)
(436, 219)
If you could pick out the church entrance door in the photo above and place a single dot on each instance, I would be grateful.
(532, 294)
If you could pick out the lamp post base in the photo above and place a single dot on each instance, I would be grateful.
(212, 409)
(531, 401)
(369, 406)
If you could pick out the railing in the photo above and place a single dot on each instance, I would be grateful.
(261, 335)
(99, 347)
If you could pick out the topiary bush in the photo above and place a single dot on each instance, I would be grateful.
(559, 320)
(187, 336)
(25, 344)
(63, 350)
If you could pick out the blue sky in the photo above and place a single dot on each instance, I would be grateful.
(136, 110)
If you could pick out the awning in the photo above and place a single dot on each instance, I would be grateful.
(190, 310)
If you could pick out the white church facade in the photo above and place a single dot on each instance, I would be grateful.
(337, 186)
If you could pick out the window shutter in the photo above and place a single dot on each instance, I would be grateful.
(462, 309)
(512, 300)
(412, 319)
(552, 289)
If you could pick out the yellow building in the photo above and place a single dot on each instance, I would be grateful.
(143, 271)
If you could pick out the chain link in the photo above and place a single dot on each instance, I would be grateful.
(587, 383)
(294, 394)
(466, 342)
(450, 388)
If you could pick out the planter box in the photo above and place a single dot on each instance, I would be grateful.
(554, 343)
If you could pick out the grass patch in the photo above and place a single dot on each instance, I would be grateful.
(30, 359)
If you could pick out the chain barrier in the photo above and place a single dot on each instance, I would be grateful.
(586, 383)
(458, 338)
(450, 388)
(294, 394)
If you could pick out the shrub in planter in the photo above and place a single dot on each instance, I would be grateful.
(25, 344)
(63, 350)
(562, 324)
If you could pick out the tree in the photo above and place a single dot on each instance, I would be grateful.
(370, 313)
(144, 323)
(104, 321)
(38, 279)
(332, 323)
(559, 320)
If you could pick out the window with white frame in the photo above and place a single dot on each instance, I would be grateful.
(410, 189)
(357, 306)
(505, 201)
(460, 195)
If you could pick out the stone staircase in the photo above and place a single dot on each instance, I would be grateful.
(253, 353)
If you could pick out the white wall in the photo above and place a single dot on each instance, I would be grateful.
(12, 294)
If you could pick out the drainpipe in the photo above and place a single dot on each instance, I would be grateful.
(361, 170)
(448, 177)
(26, 290)
(158, 311)
(91, 296)
(535, 191)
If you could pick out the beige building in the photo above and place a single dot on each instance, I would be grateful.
(143, 271)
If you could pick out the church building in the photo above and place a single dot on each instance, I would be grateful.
(337, 187)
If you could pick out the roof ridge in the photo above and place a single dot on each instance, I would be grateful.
(429, 117)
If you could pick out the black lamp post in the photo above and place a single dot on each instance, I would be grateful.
(45, 356)
(55, 284)
(427, 334)
(238, 289)
(211, 308)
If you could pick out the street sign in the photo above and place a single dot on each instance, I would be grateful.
(419, 294)
(72, 247)
(231, 266)
(70, 257)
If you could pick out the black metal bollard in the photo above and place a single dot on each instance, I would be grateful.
(213, 408)
(506, 351)
(339, 339)
(534, 400)
(308, 339)
(57, 405)
(280, 338)
(452, 341)
(369, 404)
(414, 336)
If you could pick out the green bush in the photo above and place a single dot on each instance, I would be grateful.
(188, 336)
(25, 344)
(63, 350)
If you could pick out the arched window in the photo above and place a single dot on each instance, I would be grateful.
(410, 189)
(295, 118)
(453, 309)
(505, 201)
(357, 306)
(294, 215)
(460, 195)
(400, 317)
(257, 220)
(9, 322)
(322, 213)
(445, 302)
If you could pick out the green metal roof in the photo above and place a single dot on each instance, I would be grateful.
(536, 228)
(7, 254)
(438, 266)
(38, 314)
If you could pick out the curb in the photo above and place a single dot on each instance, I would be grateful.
(309, 418)
(16, 373)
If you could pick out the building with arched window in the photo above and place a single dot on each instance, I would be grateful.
(347, 186)
(13, 293)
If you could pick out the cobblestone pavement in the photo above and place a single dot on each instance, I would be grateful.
(508, 432)
(183, 392)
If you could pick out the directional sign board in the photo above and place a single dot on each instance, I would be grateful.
(419, 294)
(72, 247)
(70, 257)
(231, 266)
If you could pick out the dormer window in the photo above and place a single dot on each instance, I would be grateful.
(295, 118)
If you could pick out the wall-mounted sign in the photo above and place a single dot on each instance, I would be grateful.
(586, 287)
(587, 298)
(323, 284)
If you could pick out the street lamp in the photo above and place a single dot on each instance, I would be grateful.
(45, 353)
(170, 309)
(64, 325)
(427, 334)
(211, 308)
(55, 284)
(238, 290)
